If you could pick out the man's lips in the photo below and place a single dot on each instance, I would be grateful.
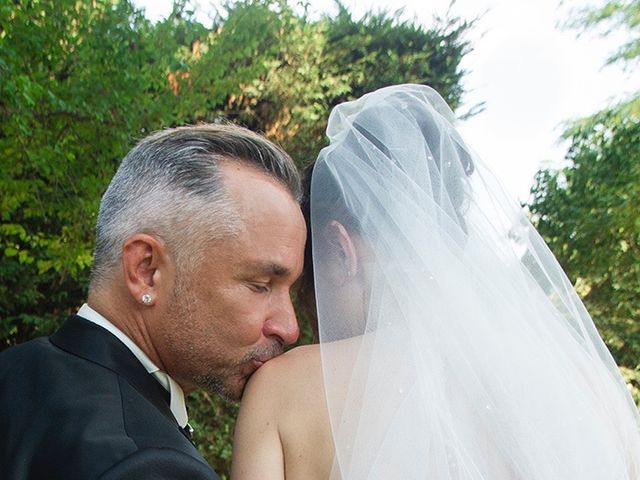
(263, 355)
(258, 363)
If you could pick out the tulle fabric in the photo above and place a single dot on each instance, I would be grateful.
(465, 352)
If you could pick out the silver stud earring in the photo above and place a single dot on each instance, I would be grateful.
(146, 299)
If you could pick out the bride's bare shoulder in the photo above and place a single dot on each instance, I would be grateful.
(286, 396)
(280, 383)
(300, 358)
(298, 372)
(272, 402)
(297, 369)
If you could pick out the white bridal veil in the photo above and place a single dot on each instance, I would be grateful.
(453, 345)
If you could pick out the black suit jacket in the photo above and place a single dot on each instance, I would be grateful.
(79, 405)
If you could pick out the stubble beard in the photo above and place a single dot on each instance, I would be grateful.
(182, 312)
(223, 381)
(210, 375)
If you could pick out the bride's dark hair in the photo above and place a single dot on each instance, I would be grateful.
(332, 205)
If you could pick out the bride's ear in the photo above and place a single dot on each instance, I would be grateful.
(343, 252)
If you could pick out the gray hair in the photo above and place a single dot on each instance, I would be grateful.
(169, 185)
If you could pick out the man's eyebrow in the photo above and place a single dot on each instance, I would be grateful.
(271, 268)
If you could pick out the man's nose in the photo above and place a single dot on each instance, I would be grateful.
(282, 323)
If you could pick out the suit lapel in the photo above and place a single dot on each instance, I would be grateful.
(87, 340)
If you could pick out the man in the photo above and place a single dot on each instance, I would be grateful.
(199, 240)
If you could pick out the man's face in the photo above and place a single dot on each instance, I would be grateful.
(233, 312)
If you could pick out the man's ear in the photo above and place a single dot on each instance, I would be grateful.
(144, 262)
(343, 250)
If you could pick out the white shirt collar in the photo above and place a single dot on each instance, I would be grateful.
(177, 403)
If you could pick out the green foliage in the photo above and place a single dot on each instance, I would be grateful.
(610, 17)
(289, 101)
(81, 81)
(213, 420)
(588, 213)
(380, 49)
(588, 210)
(69, 103)
(319, 64)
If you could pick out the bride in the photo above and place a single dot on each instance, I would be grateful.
(452, 345)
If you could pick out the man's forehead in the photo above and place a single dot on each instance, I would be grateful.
(236, 173)
(248, 184)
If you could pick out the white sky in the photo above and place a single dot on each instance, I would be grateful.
(531, 75)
